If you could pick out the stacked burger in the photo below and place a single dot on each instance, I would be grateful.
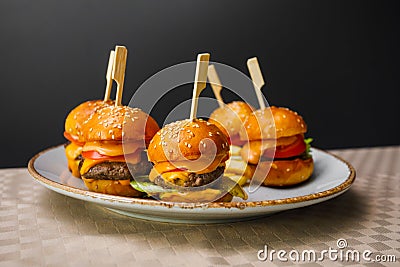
(114, 150)
(110, 146)
(276, 150)
(190, 156)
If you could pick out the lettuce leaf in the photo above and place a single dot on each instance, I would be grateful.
(308, 147)
(150, 188)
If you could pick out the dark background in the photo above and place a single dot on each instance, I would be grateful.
(336, 62)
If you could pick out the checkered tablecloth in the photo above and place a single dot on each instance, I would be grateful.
(39, 227)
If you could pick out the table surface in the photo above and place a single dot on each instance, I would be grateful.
(40, 227)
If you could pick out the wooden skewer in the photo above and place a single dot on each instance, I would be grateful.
(258, 80)
(200, 81)
(108, 76)
(216, 85)
(118, 72)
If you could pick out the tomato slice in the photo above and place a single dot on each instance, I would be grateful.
(292, 150)
(73, 139)
(92, 154)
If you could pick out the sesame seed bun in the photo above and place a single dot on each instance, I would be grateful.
(76, 118)
(119, 122)
(188, 140)
(273, 122)
(230, 118)
(284, 172)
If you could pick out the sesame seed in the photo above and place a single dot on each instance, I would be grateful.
(112, 137)
(302, 125)
(218, 133)
(210, 134)
(288, 170)
(98, 133)
(189, 145)
(284, 116)
(91, 129)
(155, 146)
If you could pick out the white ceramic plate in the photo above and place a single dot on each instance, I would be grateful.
(332, 176)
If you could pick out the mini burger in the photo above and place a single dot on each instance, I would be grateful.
(73, 131)
(190, 155)
(277, 149)
(115, 140)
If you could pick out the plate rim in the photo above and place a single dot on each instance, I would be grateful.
(151, 202)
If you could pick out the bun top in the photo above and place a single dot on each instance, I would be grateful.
(188, 140)
(231, 117)
(117, 123)
(77, 116)
(273, 122)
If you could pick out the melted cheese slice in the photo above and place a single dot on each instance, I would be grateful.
(174, 176)
(72, 151)
(112, 148)
(89, 163)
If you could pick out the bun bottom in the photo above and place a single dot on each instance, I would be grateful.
(112, 187)
(283, 172)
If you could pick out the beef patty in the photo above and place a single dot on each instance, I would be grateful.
(117, 170)
(194, 178)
